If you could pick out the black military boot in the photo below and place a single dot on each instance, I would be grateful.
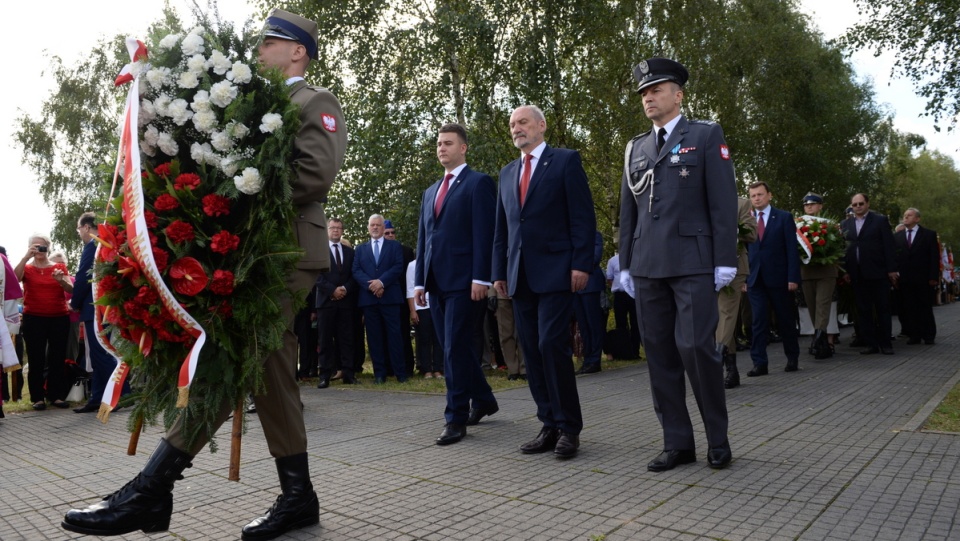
(732, 377)
(145, 503)
(297, 506)
(821, 348)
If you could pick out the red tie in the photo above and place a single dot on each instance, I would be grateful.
(759, 226)
(442, 194)
(525, 178)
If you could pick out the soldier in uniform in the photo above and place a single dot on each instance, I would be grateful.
(819, 283)
(146, 503)
(728, 300)
(678, 240)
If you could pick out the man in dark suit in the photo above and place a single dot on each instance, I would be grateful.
(871, 268)
(591, 319)
(543, 255)
(336, 302)
(453, 265)
(102, 362)
(289, 43)
(390, 233)
(379, 273)
(678, 247)
(918, 264)
(774, 277)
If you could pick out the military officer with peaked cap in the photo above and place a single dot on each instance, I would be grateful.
(819, 282)
(146, 503)
(678, 240)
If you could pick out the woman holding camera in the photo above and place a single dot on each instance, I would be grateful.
(46, 323)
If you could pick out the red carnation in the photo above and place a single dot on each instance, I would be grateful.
(163, 169)
(144, 175)
(108, 284)
(222, 283)
(147, 296)
(224, 310)
(179, 231)
(805, 228)
(188, 276)
(161, 258)
(135, 310)
(216, 205)
(224, 242)
(166, 202)
(186, 181)
(150, 218)
(821, 242)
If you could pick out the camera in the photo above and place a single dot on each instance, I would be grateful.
(41, 248)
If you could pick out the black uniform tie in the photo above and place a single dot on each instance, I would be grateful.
(661, 139)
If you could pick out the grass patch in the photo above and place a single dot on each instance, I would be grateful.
(946, 418)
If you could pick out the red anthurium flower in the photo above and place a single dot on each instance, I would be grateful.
(186, 181)
(216, 205)
(188, 276)
(129, 268)
(165, 202)
(144, 339)
(224, 242)
(179, 231)
(106, 236)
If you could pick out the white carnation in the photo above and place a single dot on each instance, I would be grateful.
(271, 122)
(218, 62)
(167, 145)
(149, 143)
(147, 113)
(179, 112)
(229, 165)
(222, 93)
(203, 154)
(192, 44)
(205, 121)
(238, 130)
(169, 41)
(221, 141)
(161, 103)
(201, 101)
(240, 74)
(158, 77)
(197, 63)
(249, 182)
(188, 79)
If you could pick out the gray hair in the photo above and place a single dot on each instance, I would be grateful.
(537, 112)
(40, 236)
(376, 216)
(915, 211)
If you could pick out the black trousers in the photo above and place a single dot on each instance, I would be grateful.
(916, 310)
(46, 341)
(873, 311)
(335, 325)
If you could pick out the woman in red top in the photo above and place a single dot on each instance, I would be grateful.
(46, 323)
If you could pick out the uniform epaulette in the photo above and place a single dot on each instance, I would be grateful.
(704, 122)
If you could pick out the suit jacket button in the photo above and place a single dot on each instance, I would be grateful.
(657, 198)
(656, 181)
(656, 216)
(699, 230)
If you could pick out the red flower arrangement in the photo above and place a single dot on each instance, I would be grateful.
(165, 202)
(222, 283)
(186, 181)
(180, 232)
(224, 242)
(819, 240)
(188, 276)
(215, 205)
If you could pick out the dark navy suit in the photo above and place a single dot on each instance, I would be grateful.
(535, 248)
(590, 317)
(918, 264)
(382, 315)
(335, 317)
(774, 261)
(453, 250)
(82, 300)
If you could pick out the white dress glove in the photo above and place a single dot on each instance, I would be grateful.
(626, 282)
(722, 276)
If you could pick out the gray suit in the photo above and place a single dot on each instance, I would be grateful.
(672, 236)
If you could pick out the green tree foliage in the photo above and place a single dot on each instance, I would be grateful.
(931, 184)
(925, 37)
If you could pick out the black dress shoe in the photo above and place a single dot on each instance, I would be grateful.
(886, 350)
(478, 413)
(869, 351)
(513, 377)
(349, 380)
(451, 434)
(669, 460)
(719, 457)
(792, 366)
(589, 369)
(324, 382)
(758, 371)
(567, 445)
(545, 441)
(857, 343)
(87, 408)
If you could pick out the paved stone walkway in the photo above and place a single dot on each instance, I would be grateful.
(830, 452)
